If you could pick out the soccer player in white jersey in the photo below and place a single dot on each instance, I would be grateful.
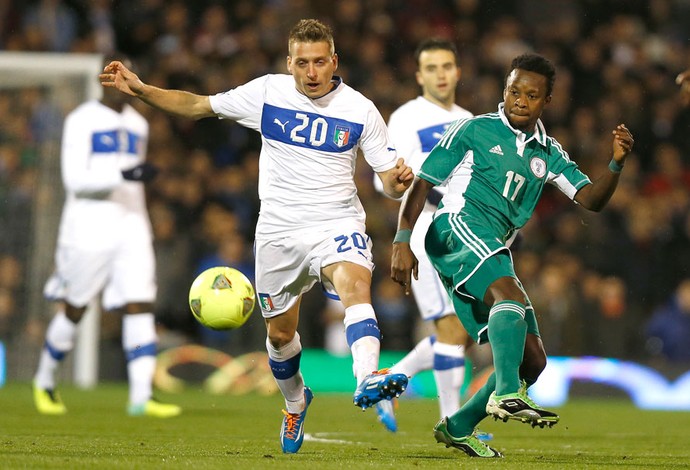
(415, 127)
(104, 246)
(496, 166)
(311, 225)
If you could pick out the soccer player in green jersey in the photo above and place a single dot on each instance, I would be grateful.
(495, 167)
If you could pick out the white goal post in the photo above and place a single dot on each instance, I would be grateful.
(65, 81)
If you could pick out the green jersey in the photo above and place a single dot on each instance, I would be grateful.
(496, 174)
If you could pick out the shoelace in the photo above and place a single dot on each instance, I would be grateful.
(291, 424)
(474, 442)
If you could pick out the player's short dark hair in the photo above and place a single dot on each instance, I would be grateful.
(311, 30)
(537, 64)
(434, 44)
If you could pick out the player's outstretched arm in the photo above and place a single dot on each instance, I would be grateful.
(404, 263)
(596, 195)
(397, 179)
(683, 79)
(175, 102)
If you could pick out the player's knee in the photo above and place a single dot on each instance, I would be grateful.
(449, 330)
(279, 338)
(73, 313)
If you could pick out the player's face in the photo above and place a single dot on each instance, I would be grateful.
(312, 65)
(438, 76)
(525, 97)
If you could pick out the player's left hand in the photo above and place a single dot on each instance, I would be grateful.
(403, 176)
(622, 143)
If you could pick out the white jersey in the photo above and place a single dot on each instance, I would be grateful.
(309, 149)
(418, 125)
(415, 128)
(105, 238)
(97, 144)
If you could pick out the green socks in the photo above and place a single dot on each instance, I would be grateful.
(472, 412)
(507, 333)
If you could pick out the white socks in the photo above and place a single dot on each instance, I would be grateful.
(284, 364)
(449, 372)
(59, 341)
(419, 359)
(139, 344)
(364, 338)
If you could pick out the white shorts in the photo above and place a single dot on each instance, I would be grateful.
(432, 299)
(124, 273)
(287, 267)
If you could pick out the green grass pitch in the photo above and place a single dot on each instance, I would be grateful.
(241, 432)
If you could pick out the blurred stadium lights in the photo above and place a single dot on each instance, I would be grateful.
(646, 387)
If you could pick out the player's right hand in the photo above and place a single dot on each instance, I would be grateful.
(404, 265)
(117, 75)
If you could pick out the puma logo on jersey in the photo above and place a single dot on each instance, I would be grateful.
(496, 149)
(282, 125)
(107, 140)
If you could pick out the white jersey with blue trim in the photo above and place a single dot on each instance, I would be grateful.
(416, 127)
(309, 149)
(97, 144)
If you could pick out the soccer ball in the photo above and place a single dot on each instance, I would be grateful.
(221, 298)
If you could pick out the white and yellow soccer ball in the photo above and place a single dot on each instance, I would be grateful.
(222, 298)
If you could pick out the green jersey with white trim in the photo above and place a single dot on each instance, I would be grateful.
(496, 173)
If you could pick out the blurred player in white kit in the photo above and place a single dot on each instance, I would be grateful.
(415, 127)
(104, 247)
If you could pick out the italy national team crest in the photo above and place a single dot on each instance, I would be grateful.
(266, 302)
(341, 136)
(538, 167)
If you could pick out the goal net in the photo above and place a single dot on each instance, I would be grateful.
(37, 90)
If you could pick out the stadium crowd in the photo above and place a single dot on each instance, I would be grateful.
(594, 290)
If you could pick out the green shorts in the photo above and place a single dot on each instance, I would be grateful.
(467, 274)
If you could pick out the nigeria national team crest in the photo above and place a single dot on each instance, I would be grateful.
(538, 167)
(341, 136)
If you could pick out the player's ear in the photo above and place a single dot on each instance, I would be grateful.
(335, 62)
(418, 76)
(288, 63)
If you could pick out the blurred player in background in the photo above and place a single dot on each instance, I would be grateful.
(104, 247)
(415, 127)
(496, 166)
(311, 225)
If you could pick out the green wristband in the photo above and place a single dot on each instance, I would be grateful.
(403, 236)
(614, 166)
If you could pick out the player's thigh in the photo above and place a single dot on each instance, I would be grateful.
(429, 292)
(282, 273)
(449, 330)
(344, 261)
(133, 276)
(497, 266)
(82, 273)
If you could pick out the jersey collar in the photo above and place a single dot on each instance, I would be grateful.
(539, 133)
